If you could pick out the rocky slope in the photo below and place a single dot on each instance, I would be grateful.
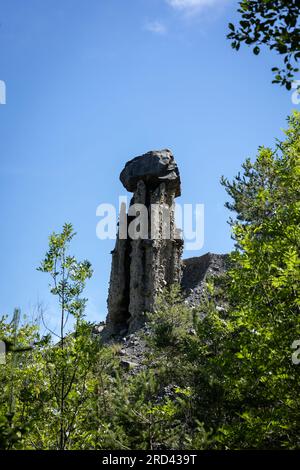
(195, 272)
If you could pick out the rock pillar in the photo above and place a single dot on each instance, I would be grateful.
(147, 254)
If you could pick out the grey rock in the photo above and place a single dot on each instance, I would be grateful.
(195, 273)
(142, 267)
(192, 332)
(154, 167)
(219, 308)
(98, 328)
(128, 365)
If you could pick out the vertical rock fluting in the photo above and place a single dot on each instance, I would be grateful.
(143, 265)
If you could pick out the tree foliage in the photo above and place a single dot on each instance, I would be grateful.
(274, 24)
(235, 351)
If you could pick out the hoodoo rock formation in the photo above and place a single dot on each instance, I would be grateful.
(146, 259)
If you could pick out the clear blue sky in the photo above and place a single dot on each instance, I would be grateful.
(91, 84)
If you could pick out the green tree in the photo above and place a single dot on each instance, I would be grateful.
(57, 391)
(68, 364)
(274, 24)
(264, 296)
(19, 379)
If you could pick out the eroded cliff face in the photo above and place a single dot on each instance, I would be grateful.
(143, 264)
(196, 271)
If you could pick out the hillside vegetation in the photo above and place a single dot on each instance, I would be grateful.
(213, 377)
